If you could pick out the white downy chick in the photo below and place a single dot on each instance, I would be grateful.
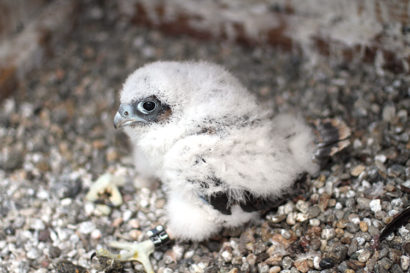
(222, 154)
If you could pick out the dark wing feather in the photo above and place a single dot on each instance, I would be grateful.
(251, 202)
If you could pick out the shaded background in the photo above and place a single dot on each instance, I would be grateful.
(349, 31)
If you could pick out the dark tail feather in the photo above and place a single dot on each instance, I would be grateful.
(332, 136)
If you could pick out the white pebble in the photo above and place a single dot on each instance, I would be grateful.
(316, 262)
(360, 241)
(227, 256)
(329, 187)
(381, 158)
(403, 231)
(89, 208)
(74, 238)
(134, 223)
(328, 233)
(43, 195)
(26, 234)
(388, 112)
(9, 106)
(26, 110)
(366, 184)
(135, 234)
(393, 212)
(189, 254)
(405, 262)
(290, 219)
(86, 227)
(158, 255)
(355, 220)
(350, 194)
(33, 254)
(96, 234)
(375, 205)
(397, 202)
(37, 224)
(144, 203)
(288, 207)
(357, 144)
(314, 222)
(285, 233)
(302, 217)
(364, 255)
(178, 251)
(126, 215)
(72, 253)
(66, 202)
(370, 142)
(302, 206)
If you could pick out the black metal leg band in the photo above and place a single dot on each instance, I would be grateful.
(158, 236)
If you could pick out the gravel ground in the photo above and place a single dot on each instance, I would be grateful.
(57, 138)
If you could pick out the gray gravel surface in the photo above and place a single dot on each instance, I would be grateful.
(57, 137)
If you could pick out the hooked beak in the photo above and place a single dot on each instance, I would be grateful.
(126, 116)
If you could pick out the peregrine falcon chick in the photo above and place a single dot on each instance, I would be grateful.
(221, 153)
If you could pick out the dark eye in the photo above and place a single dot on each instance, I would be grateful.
(146, 107)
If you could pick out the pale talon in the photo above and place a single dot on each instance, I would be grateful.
(131, 252)
(106, 185)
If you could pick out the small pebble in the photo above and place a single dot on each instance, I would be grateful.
(405, 262)
(303, 265)
(364, 255)
(326, 263)
(287, 262)
(385, 263)
(381, 158)
(54, 252)
(33, 254)
(251, 259)
(227, 256)
(135, 234)
(285, 234)
(389, 112)
(134, 223)
(316, 262)
(395, 171)
(302, 217)
(86, 227)
(356, 171)
(189, 254)
(263, 268)
(96, 234)
(178, 251)
(117, 222)
(314, 222)
(363, 226)
(302, 206)
(291, 218)
(275, 269)
(375, 205)
(314, 211)
(127, 215)
(328, 233)
(44, 235)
